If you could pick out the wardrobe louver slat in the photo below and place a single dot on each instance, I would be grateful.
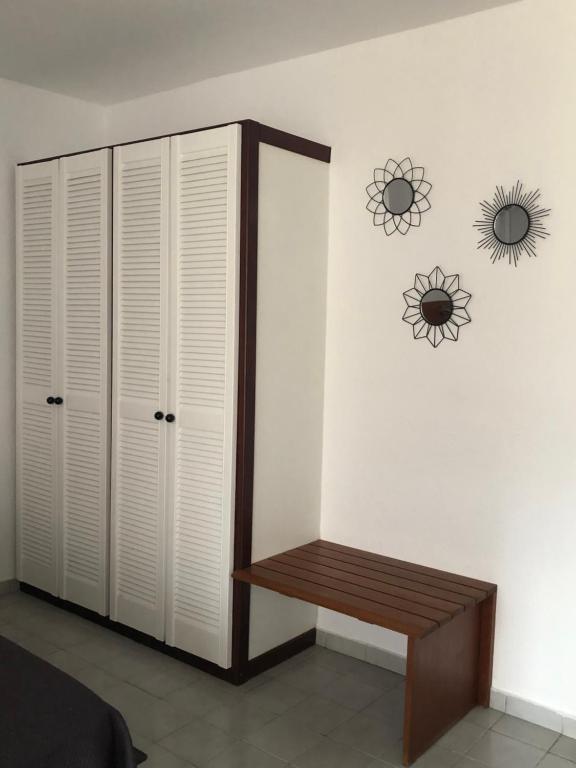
(141, 195)
(85, 247)
(37, 484)
(204, 247)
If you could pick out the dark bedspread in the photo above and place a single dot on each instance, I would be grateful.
(50, 720)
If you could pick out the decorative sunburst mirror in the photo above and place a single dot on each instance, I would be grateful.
(398, 196)
(436, 307)
(512, 223)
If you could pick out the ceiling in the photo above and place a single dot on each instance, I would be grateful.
(108, 51)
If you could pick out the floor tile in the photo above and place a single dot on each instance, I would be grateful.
(484, 716)
(145, 715)
(37, 645)
(64, 633)
(95, 679)
(199, 742)
(99, 651)
(67, 662)
(203, 696)
(245, 756)
(276, 697)
(498, 751)
(284, 738)
(333, 660)
(438, 757)
(565, 747)
(255, 682)
(466, 762)
(132, 662)
(526, 732)
(387, 706)
(224, 692)
(395, 662)
(163, 683)
(377, 677)
(553, 761)
(321, 714)
(382, 764)
(32, 621)
(329, 754)
(13, 632)
(351, 692)
(292, 663)
(367, 734)
(158, 757)
(193, 700)
(308, 677)
(391, 755)
(461, 737)
(239, 720)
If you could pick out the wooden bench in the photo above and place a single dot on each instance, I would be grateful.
(449, 621)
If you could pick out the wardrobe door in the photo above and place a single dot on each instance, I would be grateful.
(141, 228)
(203, 352)
(85, 342)
(37, 486)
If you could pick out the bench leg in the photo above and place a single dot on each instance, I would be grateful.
(487, 628)
(444, 680)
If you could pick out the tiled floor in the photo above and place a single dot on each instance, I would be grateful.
(320, 710)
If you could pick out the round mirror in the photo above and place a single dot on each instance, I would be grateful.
(436, 307)
(511, 224)
(398, 196)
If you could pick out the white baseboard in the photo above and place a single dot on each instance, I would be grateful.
(533, 713)
(9, 586)
(503, 701)
(363, 651)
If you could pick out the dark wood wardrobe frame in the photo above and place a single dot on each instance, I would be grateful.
(254, 134)
(243, 668)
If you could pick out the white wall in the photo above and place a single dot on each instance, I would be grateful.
(463, 457)
(33, 123)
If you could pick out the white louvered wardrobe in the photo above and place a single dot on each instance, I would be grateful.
(63, 376)
(159, 399)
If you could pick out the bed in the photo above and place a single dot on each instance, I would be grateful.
(50, 720)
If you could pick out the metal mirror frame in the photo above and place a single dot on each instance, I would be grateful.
(515, 197)
(382, 215)
(421, 326)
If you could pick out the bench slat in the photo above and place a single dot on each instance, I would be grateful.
(352, 588)
(335, 600)
(454, 578)
(476, 594)
(384, 578)
(381, 588)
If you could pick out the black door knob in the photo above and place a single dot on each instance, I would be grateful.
(58, 401)
(50, 400)
(158, 415)
(170, 418)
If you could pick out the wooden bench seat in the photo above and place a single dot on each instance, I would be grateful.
(449, 621)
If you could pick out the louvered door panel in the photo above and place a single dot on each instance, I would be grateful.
(141, 197)
(85, 187)
(205, 173)
(37, 376)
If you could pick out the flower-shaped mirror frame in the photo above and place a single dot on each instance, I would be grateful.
(398, 196)
(436, 307)
(511, 224)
